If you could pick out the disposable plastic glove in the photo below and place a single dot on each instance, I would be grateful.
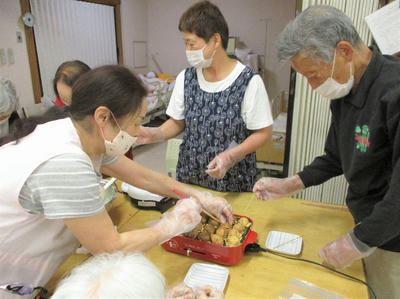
(180, 291)
(150, 135)
(208, 292)
(217, 206)
(219, 166)
(183, 218)
(342, 252)
(272, 188)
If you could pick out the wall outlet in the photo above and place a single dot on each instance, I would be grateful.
(3, 58)
(10, 54)
(19, 37)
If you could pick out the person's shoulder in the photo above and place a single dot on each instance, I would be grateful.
(68, 162)
(389, 75)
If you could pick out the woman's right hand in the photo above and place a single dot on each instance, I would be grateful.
(272, 188)
(183, 218)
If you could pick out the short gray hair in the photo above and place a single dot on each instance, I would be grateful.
(317, 31)
(115, 275)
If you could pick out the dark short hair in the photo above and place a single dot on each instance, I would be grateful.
(204, 19)
(68, 72)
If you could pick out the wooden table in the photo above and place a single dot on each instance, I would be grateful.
(257, 275)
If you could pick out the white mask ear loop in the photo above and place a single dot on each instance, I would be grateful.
(101, 130)
(333, 66)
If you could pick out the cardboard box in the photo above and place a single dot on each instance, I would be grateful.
(274, 150)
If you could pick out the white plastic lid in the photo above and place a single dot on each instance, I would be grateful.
(207, 275)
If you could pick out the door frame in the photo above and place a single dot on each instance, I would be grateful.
(31, 43)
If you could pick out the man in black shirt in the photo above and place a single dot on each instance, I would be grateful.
(363, 142)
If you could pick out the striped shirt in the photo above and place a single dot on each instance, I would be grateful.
(65, 186)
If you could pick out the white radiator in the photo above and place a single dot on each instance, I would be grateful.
(311, 114)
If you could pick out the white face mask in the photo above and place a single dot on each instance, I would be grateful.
(196, 58)
(120, 144)
(332, 89)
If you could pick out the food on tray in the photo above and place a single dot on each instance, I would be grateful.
(193, 233)
(210, 228)
(217, 239)
(204, 236)
(213, 222)
(222, 231)
(204, 218)
(244, 221)
(239, 227)
(233, 232)
(232, 241)
(224, 234)
(226, 225)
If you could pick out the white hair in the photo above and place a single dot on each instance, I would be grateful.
(115, 275)
(8, 97)
(317, 31)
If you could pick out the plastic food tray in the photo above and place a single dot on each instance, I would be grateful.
(210, 251)
(207, 275)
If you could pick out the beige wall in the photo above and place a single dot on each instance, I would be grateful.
(134, 28)
(19, 72)
(246, 20)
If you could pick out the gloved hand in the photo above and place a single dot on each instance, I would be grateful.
(150, 135)
(216, 205)
(342, 252)
(180, 291)
(219, 166)
(271, 188)
(208, 292)
(183, 218)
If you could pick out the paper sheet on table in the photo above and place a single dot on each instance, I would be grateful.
(384, 25)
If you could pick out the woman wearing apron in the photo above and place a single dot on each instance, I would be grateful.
(220, 104)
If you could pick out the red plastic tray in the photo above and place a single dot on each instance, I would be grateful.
(210, 251)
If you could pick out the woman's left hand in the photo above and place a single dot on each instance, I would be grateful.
(219, 166)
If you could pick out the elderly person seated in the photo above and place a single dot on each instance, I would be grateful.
(8, 105)
(120, 275)
(363, 142)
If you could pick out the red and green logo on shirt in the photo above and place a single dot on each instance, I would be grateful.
(362, 138)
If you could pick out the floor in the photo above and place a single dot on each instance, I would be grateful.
(151, 156)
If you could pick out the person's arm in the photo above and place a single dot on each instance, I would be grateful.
(384, 219)
(98, 235)
(225, 160)
(137, 175)
(323, 167)
(319, 171)
(173, 126)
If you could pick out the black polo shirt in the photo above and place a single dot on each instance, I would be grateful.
(363, 143)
